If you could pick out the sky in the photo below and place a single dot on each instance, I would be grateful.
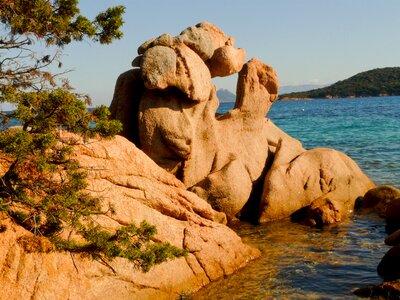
(306, 41)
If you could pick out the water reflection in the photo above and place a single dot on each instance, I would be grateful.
(299, 262)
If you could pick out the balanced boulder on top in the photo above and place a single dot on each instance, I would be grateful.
(238, 159)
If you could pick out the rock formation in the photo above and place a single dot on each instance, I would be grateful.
(387, 290)
(321, 185)
(138, 189)
(384, 200)
(240, 162)
(379, 199)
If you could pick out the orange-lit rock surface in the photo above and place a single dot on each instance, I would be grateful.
(124, 177)
(168, 106)
(221, 158)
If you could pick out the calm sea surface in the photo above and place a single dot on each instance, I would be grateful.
(304, 263)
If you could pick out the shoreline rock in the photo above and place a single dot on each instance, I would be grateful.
(385, 201)
(123, 176)
(388, 290)
(323, 183)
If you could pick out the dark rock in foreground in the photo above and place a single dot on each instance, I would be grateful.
(389, 267)
(387, 290)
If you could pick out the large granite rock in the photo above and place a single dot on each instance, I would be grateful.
(124, 177)
(324, 183)
(240, 161)
(388, 290)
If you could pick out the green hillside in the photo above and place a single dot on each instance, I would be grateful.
(373, 83)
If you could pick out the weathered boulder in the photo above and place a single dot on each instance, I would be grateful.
(324, 181)
(225, 158)
(124, 177)
(226, 60)
(379, 198)
(186, 138)
(177, 66)
(203, 38)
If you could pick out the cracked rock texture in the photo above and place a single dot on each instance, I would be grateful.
(138, 189)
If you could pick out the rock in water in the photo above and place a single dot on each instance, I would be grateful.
(124, 177)
(323, 182)
(387, 290)
(389, 266)
(379, 199)
(228, 159)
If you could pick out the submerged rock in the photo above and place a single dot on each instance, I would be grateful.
(384, 199)
(137, 189)
(240, 162)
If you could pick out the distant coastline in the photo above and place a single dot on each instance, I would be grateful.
(333, 98)
(381, 82)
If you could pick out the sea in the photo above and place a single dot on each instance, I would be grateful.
(299, 262)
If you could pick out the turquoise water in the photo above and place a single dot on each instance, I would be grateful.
(299, 262)
(366, 129)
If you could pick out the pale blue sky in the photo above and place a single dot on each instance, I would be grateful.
(308, 41)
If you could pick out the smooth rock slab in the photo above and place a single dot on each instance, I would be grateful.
(228, 159)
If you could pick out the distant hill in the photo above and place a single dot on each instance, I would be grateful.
(226, 96)
(372, 83)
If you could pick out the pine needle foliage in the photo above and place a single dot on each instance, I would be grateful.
(43, 189)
